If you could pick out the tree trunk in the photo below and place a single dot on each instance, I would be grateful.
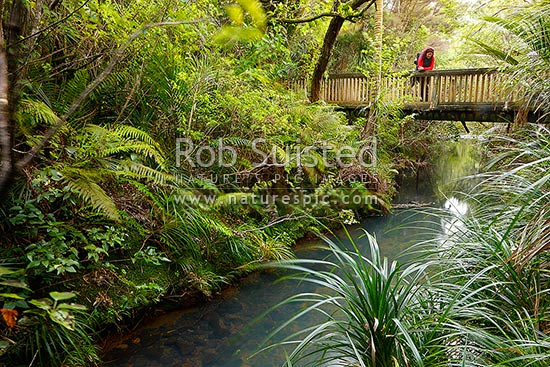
(379, 31)
(6, 156)
(370, 128)
(9, 34)
(326, 50)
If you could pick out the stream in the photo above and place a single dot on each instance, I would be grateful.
(228, 331)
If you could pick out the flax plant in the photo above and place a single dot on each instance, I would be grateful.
(505, 236)
(363, 303)
(476, 295)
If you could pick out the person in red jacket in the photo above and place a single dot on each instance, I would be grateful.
(425, 60)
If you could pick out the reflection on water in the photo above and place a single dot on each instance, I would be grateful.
(454, 222)
(456, 207)
(454, 162)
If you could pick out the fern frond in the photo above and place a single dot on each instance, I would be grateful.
(114, 79)
(72, 89)
(237, 141)
(145, 190)
(127, 131)
(82, 182)
(143, 149)
(281, 155)
(32, 112)
(125, 139)
(97, 131)
(217, 226)
(136, 170)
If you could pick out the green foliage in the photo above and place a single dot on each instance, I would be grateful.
(101, 202)
(57, 311)
(478, 299)
(409, 26)
(51, 330)
(526, 55)
(57, 333)
(365, 300)
(54, 244)
(100, 154)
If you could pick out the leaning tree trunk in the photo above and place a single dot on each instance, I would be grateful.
(326, 50)
(370, 128)
(10, 13)
(6, 161)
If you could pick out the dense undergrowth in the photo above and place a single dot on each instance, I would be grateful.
(148, 188)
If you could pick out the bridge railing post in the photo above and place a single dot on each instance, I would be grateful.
(436, 84)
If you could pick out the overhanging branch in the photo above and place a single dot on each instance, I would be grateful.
(319, 16)
(350, 18)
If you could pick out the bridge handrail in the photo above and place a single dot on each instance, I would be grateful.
(419, 73)
(440, 87)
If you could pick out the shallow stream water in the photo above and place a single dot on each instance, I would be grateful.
(227, 332)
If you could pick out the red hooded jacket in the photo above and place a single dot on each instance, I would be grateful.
(423, 63)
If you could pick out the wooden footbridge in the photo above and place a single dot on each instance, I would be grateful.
(457, 95)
